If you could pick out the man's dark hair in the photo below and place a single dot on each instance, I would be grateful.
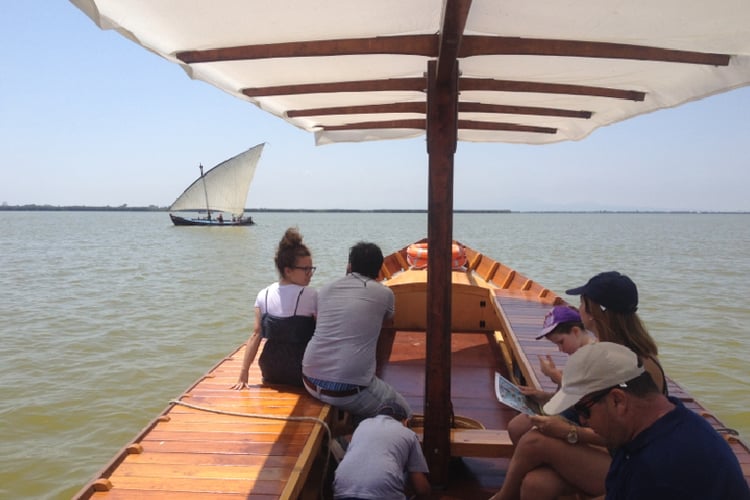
(366, 259)
(642, 385)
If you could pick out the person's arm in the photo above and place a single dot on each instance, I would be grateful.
(250, 352)
(420, 484)
(559, 428)
(537, 395)
(549, 368)
(385, 345)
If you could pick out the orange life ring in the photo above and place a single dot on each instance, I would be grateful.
(416, 256)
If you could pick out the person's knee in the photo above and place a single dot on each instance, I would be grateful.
(533, 442)
(518, 426)
(541, 484)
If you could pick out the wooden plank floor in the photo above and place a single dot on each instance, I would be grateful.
(190, 453)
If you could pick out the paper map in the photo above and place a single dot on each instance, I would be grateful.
(509, 394)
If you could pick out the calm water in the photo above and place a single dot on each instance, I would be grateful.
(108, 316)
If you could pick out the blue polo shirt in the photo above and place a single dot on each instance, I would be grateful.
(680, 456)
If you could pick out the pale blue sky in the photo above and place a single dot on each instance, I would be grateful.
(90, 118)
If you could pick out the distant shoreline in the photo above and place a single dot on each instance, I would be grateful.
(153, 208)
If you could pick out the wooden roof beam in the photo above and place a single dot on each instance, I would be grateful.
(453, 23)
(420, 124)
(450, 45)
(366, 109)
(421, 108)
(476, 107)
(489, 84)
(416, 45)
(498, 45)
(418, 85)
(391, 84)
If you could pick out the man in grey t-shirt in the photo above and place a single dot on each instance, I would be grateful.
(383, 453)
(339, 363)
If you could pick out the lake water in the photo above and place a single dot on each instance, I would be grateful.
(107, 316)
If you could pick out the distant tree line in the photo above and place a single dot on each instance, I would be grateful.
(79, 208)
(154, 208)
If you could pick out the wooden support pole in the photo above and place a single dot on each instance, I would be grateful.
(442, 119)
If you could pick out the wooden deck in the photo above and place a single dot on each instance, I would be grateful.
(188, 453)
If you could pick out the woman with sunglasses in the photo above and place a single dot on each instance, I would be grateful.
(558, 457)
(285, 314)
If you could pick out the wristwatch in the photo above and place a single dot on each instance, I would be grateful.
(572, 436)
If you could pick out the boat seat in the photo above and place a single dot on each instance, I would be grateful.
(486, 443)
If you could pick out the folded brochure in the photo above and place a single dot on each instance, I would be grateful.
(509, 394)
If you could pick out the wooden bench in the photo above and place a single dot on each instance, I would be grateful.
(484, 443)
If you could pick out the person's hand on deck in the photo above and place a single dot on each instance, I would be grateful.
(241, 383)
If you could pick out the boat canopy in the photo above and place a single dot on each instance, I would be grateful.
(223, 188)
(529, 72)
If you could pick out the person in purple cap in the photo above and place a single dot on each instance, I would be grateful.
(609, 302)
(563, 327)
(381, 456)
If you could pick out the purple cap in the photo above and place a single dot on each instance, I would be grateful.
(611, 290)
(558, 314)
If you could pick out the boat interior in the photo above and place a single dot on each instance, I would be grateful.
(274, 441)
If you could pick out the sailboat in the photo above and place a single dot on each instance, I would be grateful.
(221, 192)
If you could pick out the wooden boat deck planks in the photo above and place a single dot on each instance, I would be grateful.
(191, 453)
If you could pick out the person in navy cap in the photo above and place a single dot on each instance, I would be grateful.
(609, 302)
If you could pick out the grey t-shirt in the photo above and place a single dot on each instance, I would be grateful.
(351, 311)
(381, 454)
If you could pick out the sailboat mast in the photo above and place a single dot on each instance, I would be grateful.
(208, 208)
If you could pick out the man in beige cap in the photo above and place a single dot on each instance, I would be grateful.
(660, 449)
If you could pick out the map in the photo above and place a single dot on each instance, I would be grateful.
(509, 394)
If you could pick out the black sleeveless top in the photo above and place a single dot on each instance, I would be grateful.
(286, 339)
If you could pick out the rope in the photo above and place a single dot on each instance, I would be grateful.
(270, 417)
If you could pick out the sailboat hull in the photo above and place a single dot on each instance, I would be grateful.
(184, 221)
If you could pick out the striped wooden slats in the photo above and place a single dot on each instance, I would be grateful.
(211, 451)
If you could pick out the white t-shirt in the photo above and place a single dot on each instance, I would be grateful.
(282, 300)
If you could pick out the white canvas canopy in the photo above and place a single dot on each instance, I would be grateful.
(223, 188)
(530, 71)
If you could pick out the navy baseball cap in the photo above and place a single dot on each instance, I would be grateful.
(611, 290)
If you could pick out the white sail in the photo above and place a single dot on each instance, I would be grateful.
(223, 188)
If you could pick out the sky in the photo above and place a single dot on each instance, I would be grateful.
(90, 118)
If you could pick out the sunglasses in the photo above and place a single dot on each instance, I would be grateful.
(307, 269)
(583, 408)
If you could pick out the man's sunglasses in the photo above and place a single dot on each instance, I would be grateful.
(583, 408)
